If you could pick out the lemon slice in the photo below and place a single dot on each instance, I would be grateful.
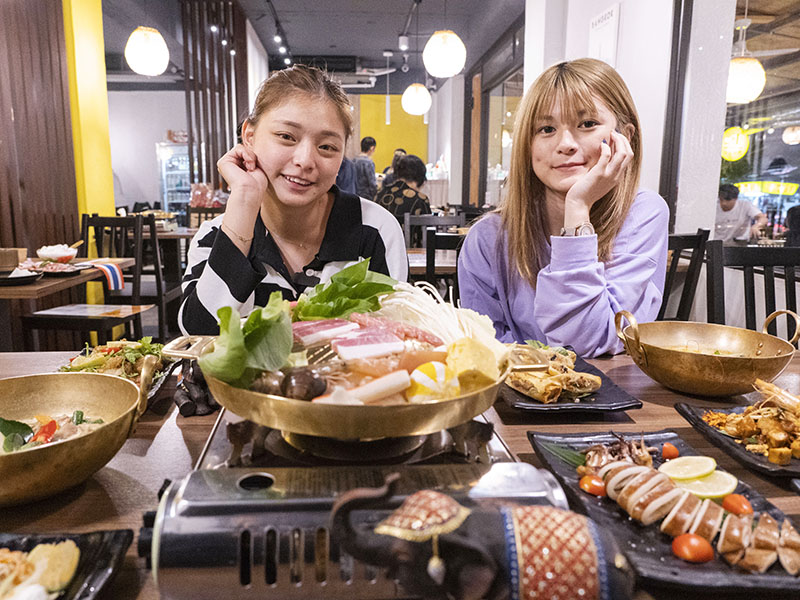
(60, 562)
(715, 485)
(688, 467)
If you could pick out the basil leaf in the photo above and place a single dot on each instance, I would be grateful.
(8, 427)
(13, 442)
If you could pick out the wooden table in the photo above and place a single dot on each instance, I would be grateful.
(166, 445)
(445, 261)
(171, 243)
(41, 288)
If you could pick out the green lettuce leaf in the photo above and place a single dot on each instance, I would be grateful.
(263, 343)
(351, 290)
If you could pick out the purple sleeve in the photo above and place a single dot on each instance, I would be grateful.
(478, 274)
(577, 296)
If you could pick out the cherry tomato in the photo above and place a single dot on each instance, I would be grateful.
(737, 504)
(668, 451)
(593, 484)
(691, 547)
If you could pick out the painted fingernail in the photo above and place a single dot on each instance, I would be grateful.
(604, 141)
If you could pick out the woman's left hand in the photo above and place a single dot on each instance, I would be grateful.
(603, 176)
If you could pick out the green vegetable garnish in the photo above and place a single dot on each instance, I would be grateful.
(13, 442)
(9, 427)
(568, 455)
(540, 346)
(263, 344)
(77, 417)
(351, 290)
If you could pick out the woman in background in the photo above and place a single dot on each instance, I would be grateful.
(286, 226)
(404, 196)
(575, 240)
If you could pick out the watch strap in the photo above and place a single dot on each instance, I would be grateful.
(585, 228)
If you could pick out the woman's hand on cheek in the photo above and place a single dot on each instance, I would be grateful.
(239, 166)
(605, 174)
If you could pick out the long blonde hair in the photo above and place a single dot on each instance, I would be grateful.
(575, 85)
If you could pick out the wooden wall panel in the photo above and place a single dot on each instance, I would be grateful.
(38, 198)
(214, 97)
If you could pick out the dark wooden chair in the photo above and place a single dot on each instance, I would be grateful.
(766, 260)
(197, 214)
(113, 237)
(154, 288)
(678, 243)
(442, 241)
(425, 221)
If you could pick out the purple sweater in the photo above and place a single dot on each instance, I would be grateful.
(576, 296)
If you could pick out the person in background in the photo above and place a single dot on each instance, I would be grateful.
(389, 173)
(737, 220)
(404, 196)
(346, 178)
(575, 240)
(366, 183)
(792, 223)
(286, 226)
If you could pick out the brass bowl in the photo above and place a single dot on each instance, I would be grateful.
(706, 359)
(43, 471)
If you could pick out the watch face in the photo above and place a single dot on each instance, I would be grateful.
(585, 229)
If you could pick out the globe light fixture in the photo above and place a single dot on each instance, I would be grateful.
(746, 80)
(444, 54)
(416, 99)
(146, 52)
(791, 135)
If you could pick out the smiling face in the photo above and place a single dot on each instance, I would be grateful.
(299, 145)
(565, 147)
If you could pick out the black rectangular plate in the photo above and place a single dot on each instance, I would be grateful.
(757, 462)
(6, 280)
(646, 548)
(102, 553)
(609, 397)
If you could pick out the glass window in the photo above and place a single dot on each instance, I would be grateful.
(503, 101)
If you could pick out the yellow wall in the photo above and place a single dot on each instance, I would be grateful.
(88, 96)
(406, 131)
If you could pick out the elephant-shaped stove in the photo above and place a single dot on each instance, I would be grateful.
(437, 548)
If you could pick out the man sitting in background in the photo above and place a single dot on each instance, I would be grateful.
(366, 182)
(737, 220)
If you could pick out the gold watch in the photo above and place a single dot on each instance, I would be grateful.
(583, 229)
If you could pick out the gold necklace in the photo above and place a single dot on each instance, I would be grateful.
(301, 245)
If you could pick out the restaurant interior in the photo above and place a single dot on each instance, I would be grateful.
(138, 461)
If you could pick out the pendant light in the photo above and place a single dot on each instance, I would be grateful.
(416, 100)
(146, 51)
(388, 54)
(746, 75)
(444, 54)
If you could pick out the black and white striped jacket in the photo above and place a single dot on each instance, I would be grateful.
(218, 274)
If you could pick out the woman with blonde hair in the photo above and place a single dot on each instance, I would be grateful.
(575, 240)
(286, 226)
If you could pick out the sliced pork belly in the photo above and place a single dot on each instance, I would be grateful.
(789, 548)
(310, 333)
(617, 478)
(709, 518)
(766, 535)
(735, 533)
(367, 343)
(757, 560)
(682, 515)
(401, 330)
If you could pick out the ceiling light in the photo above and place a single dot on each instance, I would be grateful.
(444, 54)
(146, 52)
(213, 29)
(416, 99)
(233, 52)
(282, 49)
(277, 39)
(791, 135)
(287, 61)
(746, 80)
(224, 42)
(402, 42)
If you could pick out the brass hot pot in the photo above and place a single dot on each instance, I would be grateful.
(704, 358)
(342, 422)
(46, 470)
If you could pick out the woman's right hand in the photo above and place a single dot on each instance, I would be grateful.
(239, 166)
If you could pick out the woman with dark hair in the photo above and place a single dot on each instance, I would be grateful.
(286, 226)
(404, 196)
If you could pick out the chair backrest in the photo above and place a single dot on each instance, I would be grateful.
(425, 221)
(770, 261)
(197, 214)
(116, 237)
(678, 242)
(441, 241)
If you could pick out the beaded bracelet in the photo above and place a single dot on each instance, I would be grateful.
(244, 240)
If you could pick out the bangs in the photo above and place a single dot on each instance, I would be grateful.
(570, 92)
